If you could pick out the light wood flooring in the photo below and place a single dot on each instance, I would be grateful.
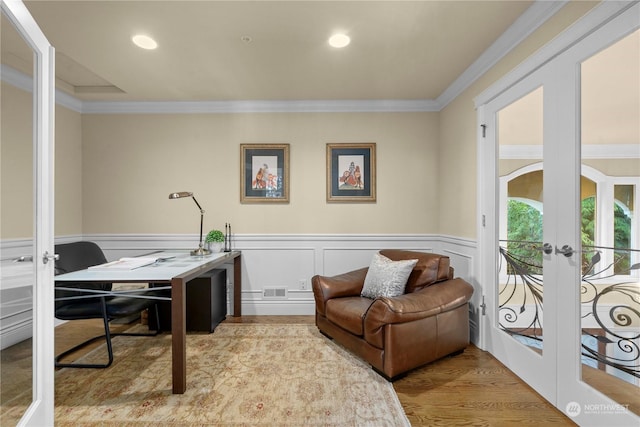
(472, 388)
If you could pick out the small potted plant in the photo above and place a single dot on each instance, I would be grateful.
(214, 240)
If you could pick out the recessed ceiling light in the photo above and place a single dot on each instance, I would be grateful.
(339, 40)
(145, 42)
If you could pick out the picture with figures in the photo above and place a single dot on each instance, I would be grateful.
(351, 172)
(264, 170)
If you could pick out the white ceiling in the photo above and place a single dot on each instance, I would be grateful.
(400, 50)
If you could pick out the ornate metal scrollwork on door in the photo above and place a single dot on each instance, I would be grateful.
(610, 300)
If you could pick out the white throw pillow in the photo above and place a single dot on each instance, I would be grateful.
(387, 278)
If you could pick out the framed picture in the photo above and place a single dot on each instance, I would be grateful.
(264, 173)
(351, 172)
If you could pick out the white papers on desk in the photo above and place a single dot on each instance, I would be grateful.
(126, 264)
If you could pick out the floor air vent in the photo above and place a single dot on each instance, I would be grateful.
(274, 293)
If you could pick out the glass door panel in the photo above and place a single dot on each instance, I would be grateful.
(520, 292)
(610, 281)
(16, 232)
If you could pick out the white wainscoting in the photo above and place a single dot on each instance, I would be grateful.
(290, 261)
(16, 299)
(462, 253)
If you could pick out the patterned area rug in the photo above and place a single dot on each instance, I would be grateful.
(241, 375)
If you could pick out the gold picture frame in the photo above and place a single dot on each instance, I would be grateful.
(351, 172)
(264, 173)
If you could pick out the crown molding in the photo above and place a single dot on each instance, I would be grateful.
(260, 106)
(16, 78)
(538, 13)
(24, 82)
(65, 100)
(596, 17)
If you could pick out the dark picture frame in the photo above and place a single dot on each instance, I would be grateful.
(264, 173)
(351, 172)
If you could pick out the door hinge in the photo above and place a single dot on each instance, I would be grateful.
(484, 221)
(484, 130)
(483, 307)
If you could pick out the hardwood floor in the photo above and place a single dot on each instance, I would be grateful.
(472, 388)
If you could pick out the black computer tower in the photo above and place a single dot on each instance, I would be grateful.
(206, 303)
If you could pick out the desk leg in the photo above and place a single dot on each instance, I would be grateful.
(178, 336)
(237, 286)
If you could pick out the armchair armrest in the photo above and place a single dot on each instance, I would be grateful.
(343, 285)
(426, 302)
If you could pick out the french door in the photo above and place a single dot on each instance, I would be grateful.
(35, 201)
(560, 170)
(521, 310)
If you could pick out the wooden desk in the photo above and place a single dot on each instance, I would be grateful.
(178, 313)
(177, 271)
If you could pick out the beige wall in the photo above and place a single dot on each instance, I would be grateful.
(458, 129)
(132, 162)
(17, 171)
(117, 179)
(68, 173)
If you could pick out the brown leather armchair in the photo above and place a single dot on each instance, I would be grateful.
(397, 334)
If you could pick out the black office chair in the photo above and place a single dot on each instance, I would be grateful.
(78, 256)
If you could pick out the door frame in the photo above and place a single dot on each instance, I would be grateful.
(41, 410)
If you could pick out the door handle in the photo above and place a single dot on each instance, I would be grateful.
(48, 257)
(24, 258)
(566, 250)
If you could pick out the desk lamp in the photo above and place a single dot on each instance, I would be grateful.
(201, 250)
